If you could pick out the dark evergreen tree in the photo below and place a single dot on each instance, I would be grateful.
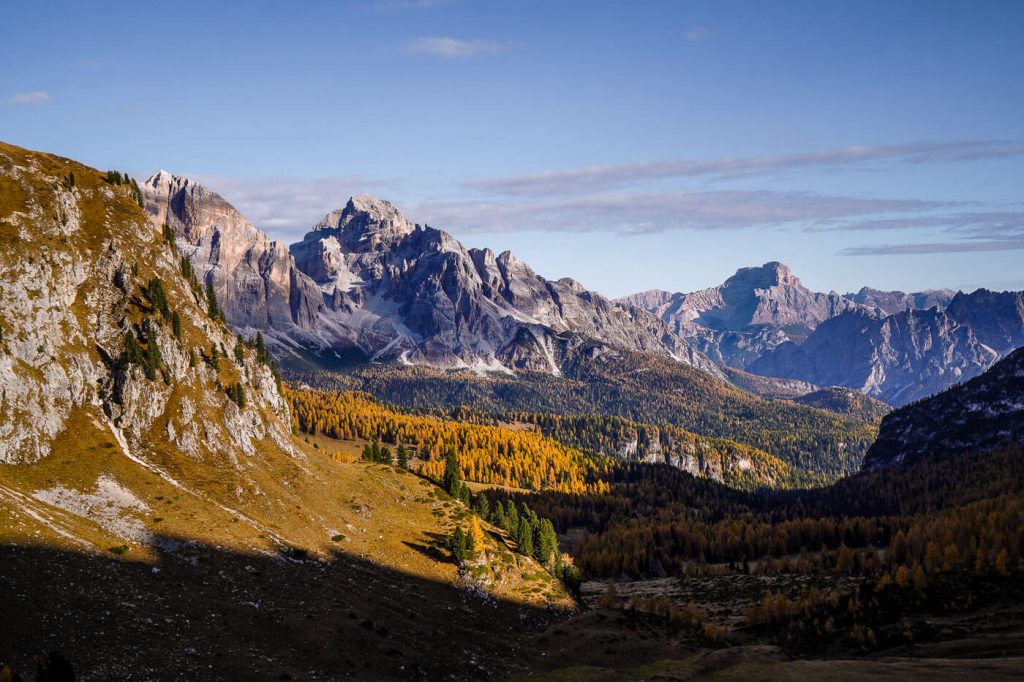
(458, 545)
(402, 455)
(452, 478)
(261, 349)
(237, 394)
(132, 350)
(546, 545)
(524, 537)
(482, 507)
(239, 351)
(511, 518)
(211, 301)
(157, 296)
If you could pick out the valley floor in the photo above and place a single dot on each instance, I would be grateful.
(612, 644)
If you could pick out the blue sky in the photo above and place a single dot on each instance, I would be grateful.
(630, 145)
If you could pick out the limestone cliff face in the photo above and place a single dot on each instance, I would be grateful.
(76, 259)
(897, 359)
(995, 317)
(417, 293)
(752, 312)
(257, 284)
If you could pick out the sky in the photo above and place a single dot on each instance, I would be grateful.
(629, 145)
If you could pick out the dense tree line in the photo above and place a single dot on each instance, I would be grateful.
(957, 513)
(485, 454)
(624, 440)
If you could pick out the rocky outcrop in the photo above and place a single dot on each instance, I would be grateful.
(995, 317)
(255, 279)
(72, 291)
(415, 293)
(752, 312)
(892, 302)
(983, 413)
(896, 359)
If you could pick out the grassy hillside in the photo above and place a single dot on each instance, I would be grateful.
(158, 517)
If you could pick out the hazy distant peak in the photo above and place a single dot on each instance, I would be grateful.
(768, 275)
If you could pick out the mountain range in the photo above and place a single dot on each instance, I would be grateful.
(890, 345)
(171, 506)
(366, 283)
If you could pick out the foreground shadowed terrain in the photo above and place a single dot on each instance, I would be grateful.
(199, 612)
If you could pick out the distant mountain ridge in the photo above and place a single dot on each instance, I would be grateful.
(898, 359)
(890, 345)
(752, 312)
(891, 302)
(983, 413)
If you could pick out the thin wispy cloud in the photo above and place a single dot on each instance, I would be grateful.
(934, 247)
(593, 178)
(697, 34)
(631, 213)
(977, 224)
(29, 98)
(633, 200)
(977, 231)
(455, 48)
(287, 208)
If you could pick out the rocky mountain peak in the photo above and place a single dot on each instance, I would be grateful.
(364, 218)
(193, 211)
(892, 302)
(769, 275)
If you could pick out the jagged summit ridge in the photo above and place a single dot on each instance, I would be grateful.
(366, 278)
(364, 216)
(752, 312)
(254, 277)
(418, 294)
(897, 358)
(771, 274)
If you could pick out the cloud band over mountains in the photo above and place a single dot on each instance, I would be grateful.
(644, 198)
